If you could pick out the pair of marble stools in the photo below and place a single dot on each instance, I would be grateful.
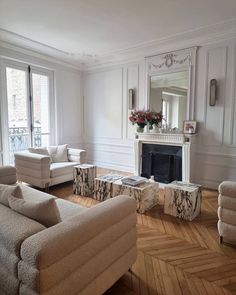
(181, 200)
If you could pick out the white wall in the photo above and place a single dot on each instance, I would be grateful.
(67, 90)
(108, 135)
(109, 142)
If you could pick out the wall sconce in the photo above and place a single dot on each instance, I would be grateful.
(131, 99)
(213, 92)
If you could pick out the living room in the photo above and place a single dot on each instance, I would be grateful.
(126, 88)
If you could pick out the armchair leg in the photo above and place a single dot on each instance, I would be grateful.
(47, 188)
(221, 239)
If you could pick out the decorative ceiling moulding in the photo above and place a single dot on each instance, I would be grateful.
(200, 37)
(27, 46)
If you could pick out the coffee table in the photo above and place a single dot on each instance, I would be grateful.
(145, 194)
(182, 200)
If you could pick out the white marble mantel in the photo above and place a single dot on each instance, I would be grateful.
(183, 140)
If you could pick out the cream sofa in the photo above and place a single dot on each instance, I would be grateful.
(37, 169)
(227, 212)
(85, 253)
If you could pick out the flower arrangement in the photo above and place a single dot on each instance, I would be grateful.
(142, 118)
(154, 119)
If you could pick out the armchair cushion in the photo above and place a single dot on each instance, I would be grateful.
(44, 212)
(58, 153)
(228, 188)
(61, 168)
(6, 191)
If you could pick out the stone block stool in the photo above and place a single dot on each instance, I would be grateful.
(182, 200)
(84, 175)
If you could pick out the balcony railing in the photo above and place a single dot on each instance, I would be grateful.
(19, 140)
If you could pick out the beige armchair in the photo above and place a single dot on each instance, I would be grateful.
(37, 169)
(227, 212)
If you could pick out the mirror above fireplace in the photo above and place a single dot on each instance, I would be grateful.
(170, 85)
(168, 93)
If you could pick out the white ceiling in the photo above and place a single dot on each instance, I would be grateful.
(99, 27)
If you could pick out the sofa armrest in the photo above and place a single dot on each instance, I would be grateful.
(7, 175)
(228, 188)
(33, 168)
(85, 245)
(32, 157)
(76, 155)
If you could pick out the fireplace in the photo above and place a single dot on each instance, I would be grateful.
(167, 156)
(162, 161)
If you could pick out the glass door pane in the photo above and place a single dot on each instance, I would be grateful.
(41, 119)
(17, 99)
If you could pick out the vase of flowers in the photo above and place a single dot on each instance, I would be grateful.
(154, 120)
(138, 118)
(150, 119)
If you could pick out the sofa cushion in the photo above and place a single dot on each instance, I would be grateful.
(68, 209)
(62, 168)
(44, 212)
(39, 150)
(8, 190)
(58, 153)
(15, 228)
(228, 188)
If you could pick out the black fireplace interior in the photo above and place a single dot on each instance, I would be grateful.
(162, 161)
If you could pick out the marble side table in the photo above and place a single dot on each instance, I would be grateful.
(146, 194)
(182, 200)
(103, 186)
(84, 176)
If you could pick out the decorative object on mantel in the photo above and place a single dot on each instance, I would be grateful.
(154, 120)
(146, 118)
(190, 127)
(138, 118)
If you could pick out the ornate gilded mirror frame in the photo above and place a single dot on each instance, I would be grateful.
(173, 62)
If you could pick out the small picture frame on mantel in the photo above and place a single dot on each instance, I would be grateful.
(190, 127)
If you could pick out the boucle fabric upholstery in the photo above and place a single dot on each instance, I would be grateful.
(227, 202)
(84, 254)
(44, 212)
(228, 188)
(227, 211)
(14, 229)
(6, 191)
(65, 209)
(227, 231)
(7, 175)
(69, 256)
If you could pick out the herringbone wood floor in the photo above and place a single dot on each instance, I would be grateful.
(175, 256)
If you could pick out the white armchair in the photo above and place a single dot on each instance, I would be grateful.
(37, 169)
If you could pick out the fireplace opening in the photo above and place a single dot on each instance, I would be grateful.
(162, 161)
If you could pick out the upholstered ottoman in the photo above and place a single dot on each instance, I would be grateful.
(182, 200)
(227, 212)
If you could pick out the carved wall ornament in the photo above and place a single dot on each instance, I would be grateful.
(171, 59)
